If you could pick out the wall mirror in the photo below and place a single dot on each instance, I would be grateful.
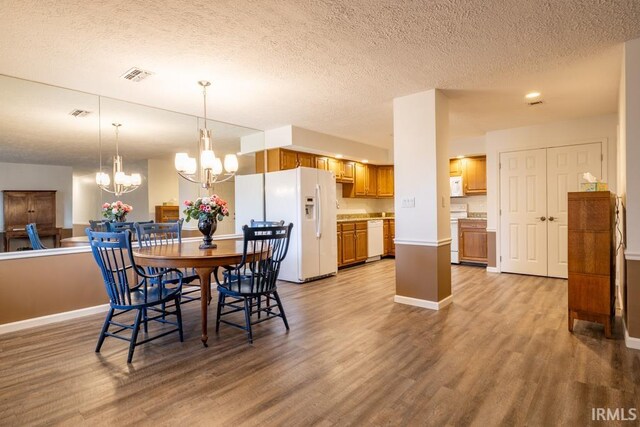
(51, 138)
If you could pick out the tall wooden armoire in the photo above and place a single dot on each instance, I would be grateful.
(592, 257)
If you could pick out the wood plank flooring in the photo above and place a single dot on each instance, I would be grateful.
(500, 354)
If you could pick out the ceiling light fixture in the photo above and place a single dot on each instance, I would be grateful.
(532, 95)
(339, 156)
(122, 183)
(459, 157)
(209, 171)
(365, 161)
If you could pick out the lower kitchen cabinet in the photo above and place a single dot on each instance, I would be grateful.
(473, 240)
(352, 242)
(389, 231)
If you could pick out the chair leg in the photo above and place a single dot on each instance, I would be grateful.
(134, 335)
(221, 298)
(105, 328)
(145, 319)
(179, 316)
(284, 317)
(259, 305)
(247, 318)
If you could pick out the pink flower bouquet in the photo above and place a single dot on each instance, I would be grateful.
(116, 211)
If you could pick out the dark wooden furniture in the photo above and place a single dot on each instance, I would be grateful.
(472, 240)
(591, 258)
(167, 213)
(188, 255)
(112, 252)
(25, 207)
(252, 279)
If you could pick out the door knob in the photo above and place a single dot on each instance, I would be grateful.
(542, 218)
(551, 218)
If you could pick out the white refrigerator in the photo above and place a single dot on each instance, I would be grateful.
(307, 198)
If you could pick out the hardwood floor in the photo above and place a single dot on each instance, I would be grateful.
(500, 354)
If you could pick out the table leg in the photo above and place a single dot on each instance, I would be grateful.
(204, 273)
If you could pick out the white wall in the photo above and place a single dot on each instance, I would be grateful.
(632, 145)
(226, 190)
(348, 205)
(421, 153)
(14, 176)
(162, 181)
(468, 146)
(86, 197)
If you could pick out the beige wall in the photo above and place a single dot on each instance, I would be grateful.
(163, 184)
(34, 287)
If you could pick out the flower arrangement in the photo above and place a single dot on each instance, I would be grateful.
(212, 207)
(116, 211)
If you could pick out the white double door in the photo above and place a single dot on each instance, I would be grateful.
(533, 205)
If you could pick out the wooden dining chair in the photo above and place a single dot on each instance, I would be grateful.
(34, 238)
(113, 254)
(167, 233)
(254, 278)
(98, 224)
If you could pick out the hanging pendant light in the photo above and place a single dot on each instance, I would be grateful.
(208, 169)
(122, 183)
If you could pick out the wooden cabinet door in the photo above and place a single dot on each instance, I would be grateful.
(322, 163)
(386, 237)
(348, 172)
(306, 160)
(288, 160)
(392, 237)
(360, 177)
(361, 244)
(339, 246)
(475, 175)
(348, 243)
(16, 209)
(473, 245)
(372, 180)
(385, 181)
(335, 166)
(42, 206)
(455, 167)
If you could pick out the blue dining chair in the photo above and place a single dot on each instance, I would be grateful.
(166, 233)
(98, 224)
(254, 278)
(114, 226)
(34, 238)
(113, 254)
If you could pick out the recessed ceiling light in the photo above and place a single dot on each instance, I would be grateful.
(339, 156)
(459, 157)
(532, 95)
(365, 161)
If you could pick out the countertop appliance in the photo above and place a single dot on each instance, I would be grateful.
(458, 210)
(307, 198)
(457, 190)
(375, 239)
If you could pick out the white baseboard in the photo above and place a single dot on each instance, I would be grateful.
(52, 318)
(432, 305)
(630, 342)
(493, 270)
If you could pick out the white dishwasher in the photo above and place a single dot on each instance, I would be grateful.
(375, 239)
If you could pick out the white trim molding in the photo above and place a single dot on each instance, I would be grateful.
(51, 318)
(431, 305)
(632, 256)
(491, 230)
(432, 243)
(493, 270)
(630, 342)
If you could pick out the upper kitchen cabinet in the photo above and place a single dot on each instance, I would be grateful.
(342, 170)
(474, 176)
(365, 182)
(279, 159)
(385, 181)
(455, 167)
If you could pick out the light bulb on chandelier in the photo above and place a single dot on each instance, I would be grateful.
(210, 169)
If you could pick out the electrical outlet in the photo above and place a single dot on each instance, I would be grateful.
(409, 202)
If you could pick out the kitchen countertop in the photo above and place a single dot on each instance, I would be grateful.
(365, 219)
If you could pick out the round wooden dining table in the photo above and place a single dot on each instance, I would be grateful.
(189, 255)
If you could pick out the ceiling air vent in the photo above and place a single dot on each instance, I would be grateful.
(532, 103)
(79, 113)
(136, 74)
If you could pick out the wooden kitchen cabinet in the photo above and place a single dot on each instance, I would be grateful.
(474, 176)
(342, 170)
(365, 182)
(389, 234)
(455, 167)
(322, 163)
(591, 258)
(279, 159)
(385, 181)
(472, 240)
(352, 242)
(385, 237)
(167, 213)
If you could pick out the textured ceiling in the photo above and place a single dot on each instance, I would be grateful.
(330, 66)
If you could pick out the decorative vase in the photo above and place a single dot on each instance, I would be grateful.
(207, 227)
(122, 218)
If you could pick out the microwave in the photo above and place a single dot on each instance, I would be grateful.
(457, 190)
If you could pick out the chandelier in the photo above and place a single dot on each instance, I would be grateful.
(122, 183)
(209, 170)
